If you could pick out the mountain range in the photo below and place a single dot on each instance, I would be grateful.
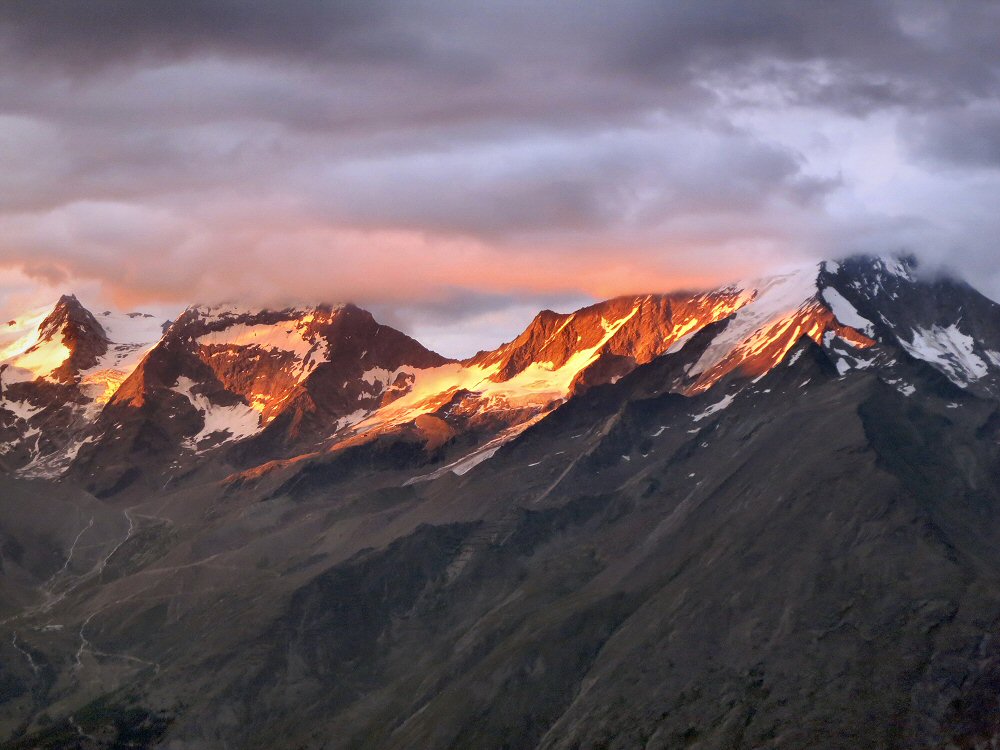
(763, 515)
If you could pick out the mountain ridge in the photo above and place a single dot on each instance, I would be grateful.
(251, 386)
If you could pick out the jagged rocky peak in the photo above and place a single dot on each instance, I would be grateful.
(285, 379)
(69, 313)
(269, 356)
(80, 333)
(934, 317)
(59, 365)
(776, 312)
(307, 332)
(759, 321)
(854, 308)
(67, 343)
(56, 344)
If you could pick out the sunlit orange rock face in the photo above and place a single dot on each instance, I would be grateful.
(280, 381)
(80, 333)
(283, 382)
(265, 378)
(768, 346)
(624, 332)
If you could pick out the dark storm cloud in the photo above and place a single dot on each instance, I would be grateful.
(499, 149)
(88, 35)
(854, 54)
(871, 50)
(963, 138)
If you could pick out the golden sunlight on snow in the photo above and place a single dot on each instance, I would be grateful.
(104, 384)
(537, 385)
(18, 336)
(43, 359)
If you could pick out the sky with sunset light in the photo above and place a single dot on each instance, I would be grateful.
(455, 167)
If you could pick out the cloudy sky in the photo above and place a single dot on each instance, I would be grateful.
(456, 166)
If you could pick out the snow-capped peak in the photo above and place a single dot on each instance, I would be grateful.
(214, 315)
(942, 321)
(55, 346)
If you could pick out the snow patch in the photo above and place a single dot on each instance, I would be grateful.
(845, 313)
(948, 350)
(896, 267)
(485, 452)
(291, 336)
(20, 334)
(22, 409)
(680, 342)
(131, 328)
(130, 338)
(350, 420)
(386, 379)
(723, 404)
(237, 421)
(378, 375)
(464, 467)
(39, 361)
(53, 465)
(287, 336)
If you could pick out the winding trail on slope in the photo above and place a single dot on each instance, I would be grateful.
(27, 654)
(128, 535)
(87, 647)
(51, 598)
(79, 730)
(47, 586)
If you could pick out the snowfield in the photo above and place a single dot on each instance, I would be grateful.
(844, 312)
(233, 422)
(950, 351)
